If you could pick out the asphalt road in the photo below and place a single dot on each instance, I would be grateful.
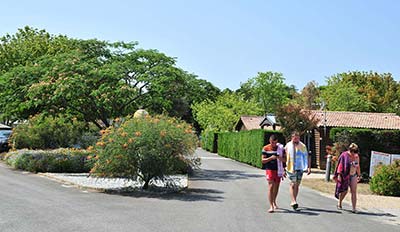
(223, 196)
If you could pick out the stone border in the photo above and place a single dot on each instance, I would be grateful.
(171, 184)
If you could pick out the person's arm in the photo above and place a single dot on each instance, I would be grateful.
(358, 169)
(264, 158)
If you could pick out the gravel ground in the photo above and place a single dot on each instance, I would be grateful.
(83, 180)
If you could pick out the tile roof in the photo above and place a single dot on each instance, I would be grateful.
(252, 122)
(358, 119)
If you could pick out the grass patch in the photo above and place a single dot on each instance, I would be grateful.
(329, 187)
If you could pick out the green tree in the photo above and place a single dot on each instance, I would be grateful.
(367, 91)
(344, 96)
(223, 113)
(268, 90)
(91, 79)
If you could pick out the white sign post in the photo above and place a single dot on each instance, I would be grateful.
(379, 158)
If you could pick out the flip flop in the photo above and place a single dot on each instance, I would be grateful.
(270, 210)
(339, 207)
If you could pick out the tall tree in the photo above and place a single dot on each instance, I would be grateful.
(94, 80)
(268, 90)
(377, 92)
(309, 97)
(223, 113)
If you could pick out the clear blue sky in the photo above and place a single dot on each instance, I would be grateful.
(228, 42)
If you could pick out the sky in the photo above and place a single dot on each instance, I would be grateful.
(228, 42)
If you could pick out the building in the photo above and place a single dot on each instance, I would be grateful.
(334, 119)
(257, 122)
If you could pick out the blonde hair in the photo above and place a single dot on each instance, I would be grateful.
(353, 148)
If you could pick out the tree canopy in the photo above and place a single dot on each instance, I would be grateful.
(91, 79)
(223, 113)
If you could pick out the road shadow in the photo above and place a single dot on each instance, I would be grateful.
(221, 175)
(189, 194)
(370, 213)
(307, 211)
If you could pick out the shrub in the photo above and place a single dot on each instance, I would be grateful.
(245, 146)
(51, 132)
(59, 160)
(148, 148)
(386, 179)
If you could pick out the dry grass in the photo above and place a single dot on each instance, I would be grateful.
(329, 187)
(365, 198)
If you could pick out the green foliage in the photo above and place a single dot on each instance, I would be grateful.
(309, 97)
(148, 148)
(209, 140)
(362, 91)
(60, 160)
(368, 140)
(268, 90)
(42, 132)
(386, 180)
(245, 146)
(90, 79)
(224, 113)
(293, 117)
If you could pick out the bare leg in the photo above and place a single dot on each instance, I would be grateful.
(271, 196)
(294, 190)
(342, 195)
(353, 188)
(276, 190)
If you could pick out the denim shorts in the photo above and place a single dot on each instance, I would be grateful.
(296, 176)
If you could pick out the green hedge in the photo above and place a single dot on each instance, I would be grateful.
(245, 146)
(59, 160)
(368, 140)
(209, 140)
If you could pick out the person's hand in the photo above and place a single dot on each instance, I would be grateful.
(339, 178)
(274, 157)
(359, 179)
(308, 171)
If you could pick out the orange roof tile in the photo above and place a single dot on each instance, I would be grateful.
(358, 119)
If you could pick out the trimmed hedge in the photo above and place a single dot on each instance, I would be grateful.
(245, 146)
(59, 160)
(386, 180)
(368, 140)
(209, 141)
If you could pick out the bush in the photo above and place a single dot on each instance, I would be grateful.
(148, 148)
(245, 146)
(60, 160)
(386, 180)
(50, 133)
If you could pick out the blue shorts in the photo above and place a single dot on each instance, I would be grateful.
(296, 176)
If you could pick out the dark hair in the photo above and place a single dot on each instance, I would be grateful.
(273, 137)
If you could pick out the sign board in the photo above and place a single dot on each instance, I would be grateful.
(378, 158)
(394, 157)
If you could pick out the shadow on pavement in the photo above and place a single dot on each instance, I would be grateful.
(222, 175)
(190, 194)
(307, 211)
(371, 214)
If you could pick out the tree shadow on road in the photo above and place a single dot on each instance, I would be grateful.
(190, 194)
(222, 175)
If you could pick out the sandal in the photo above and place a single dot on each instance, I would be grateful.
(339, 207)
(295, 206)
